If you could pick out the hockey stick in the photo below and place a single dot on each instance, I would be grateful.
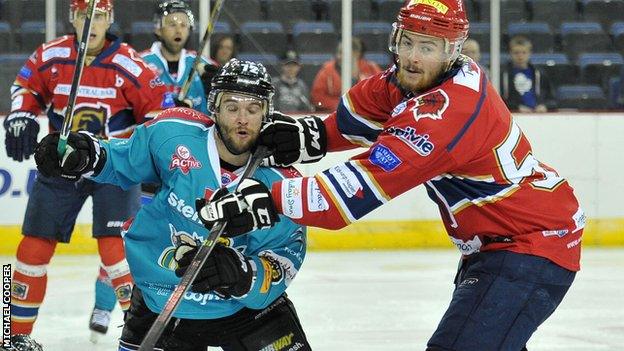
(211, 22)
(71, 102)
(198, 261)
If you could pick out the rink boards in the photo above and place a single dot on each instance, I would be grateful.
(583, 147)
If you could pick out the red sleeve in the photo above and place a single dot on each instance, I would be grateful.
(30, 92)
(411, 150)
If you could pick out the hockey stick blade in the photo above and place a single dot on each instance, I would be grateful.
(71, 102)
(158, 327)
(211, 22)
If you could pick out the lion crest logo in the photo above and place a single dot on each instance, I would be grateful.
(431, 105)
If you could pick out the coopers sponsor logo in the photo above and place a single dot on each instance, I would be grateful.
(418, 142)
(183, 160)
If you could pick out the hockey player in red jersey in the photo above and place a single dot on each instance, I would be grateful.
(117, 91)
(434, 119)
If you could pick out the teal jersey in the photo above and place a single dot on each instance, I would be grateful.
(178, 150)
(158, 63)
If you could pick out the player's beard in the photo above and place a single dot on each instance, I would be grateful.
(173, 49)
(228, 136)
(424, 81)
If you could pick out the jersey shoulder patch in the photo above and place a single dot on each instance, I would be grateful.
(469, 76)
(183, 114)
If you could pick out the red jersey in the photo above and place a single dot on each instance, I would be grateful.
(117, 90)
(460, 141)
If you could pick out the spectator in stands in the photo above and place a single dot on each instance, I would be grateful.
(223, 50)
(291, 93)
(524, 87)
(472, 49)
(326, 89)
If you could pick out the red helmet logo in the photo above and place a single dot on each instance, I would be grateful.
(439, 18)
(101, 5)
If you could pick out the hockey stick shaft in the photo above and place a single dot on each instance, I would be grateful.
(80, 59)
(159, 325)
(209, 29)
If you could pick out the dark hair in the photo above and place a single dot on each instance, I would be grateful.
(216, 44)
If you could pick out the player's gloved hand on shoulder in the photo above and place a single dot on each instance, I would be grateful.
(83, 156)
(183, 103)
(227, 272)
(302, 140)
(21, 134)
(207, 72)
(249, 208)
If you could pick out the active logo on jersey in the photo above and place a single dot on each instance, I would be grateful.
(431, 105)
(384, 158)
(418, 142)
(183, 160)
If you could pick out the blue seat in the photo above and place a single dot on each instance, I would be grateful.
(289, 12)
(480, 31)
(617, 31)
(32, 34)
(315, 58)
(603, 11)
(597, 68)
(553, 12)
(485, 59)
(585, 97)
(315, 37)
(557, 68)
(374, 35)
(238, 12)
(6, 37)
(383, 59)
(361, 11)
(540, 34)
(579, 37)
(263, 37)
(387, 10)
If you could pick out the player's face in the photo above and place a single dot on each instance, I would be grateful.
(520, 55)
(99, 26)
(421, 60)
(239, 119)
(174, 31)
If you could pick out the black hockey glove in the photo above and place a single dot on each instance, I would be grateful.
(227, 272)
(83, 156)
(206, 77)
(183, 103)
(302, 140)
(249, 208)
(21, 134)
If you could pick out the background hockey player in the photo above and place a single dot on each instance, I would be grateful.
(117, 92)
(174, 23)
(434, 119)
(238, 301)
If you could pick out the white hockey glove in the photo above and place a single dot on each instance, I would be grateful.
(302, 140)
(249, 208)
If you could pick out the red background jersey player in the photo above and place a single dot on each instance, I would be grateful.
(434, 119)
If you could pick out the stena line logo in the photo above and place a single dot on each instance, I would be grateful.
(183, 160)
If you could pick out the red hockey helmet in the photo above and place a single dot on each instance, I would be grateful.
(105, 6)
(444, 19)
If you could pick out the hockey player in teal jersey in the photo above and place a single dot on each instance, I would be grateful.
(174, 23)
(238, 300)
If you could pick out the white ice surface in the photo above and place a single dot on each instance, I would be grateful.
(374, 300)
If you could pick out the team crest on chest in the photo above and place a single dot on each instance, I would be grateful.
(183, 160)
(431, 105)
